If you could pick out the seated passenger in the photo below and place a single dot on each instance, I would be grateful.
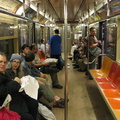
(26, 49)
(78, 53)
(5, 113)
(45, 48)
(81, 57)
(21, 103)
(46, 67)
(14, 70)
(74, 46)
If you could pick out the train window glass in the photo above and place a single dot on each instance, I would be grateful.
(6, 29)
(111, 38)
(37, 32)
(102, 35)
(23, 32)
(7, 47)
(48, 34)
(31, 38)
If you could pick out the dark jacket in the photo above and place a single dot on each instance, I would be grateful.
(8, 86)
(11, 73)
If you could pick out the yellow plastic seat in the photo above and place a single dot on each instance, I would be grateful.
(104, 71)
(117, 113)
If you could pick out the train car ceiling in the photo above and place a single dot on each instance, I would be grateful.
(53, 10)
(10, 5)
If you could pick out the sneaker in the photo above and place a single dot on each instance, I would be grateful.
(58, 86)
(75, 67)
(74, 64)
(70, 58)
(58, 105)
(90, 77)
(62, 101)
(81, 70)
(68, 66)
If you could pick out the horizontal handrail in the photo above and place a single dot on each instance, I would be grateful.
(87, 62)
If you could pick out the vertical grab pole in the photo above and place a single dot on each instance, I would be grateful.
(45, 38)
(108, 7)
(95, 10)
(38, 11)
(46, 33)
(23, 8)
(65, 57)
(88, 37)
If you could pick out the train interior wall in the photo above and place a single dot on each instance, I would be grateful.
(22, 31)
(118, 41)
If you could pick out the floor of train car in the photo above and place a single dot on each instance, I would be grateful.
(85, 100)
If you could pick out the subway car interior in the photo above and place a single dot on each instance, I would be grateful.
(90, 58)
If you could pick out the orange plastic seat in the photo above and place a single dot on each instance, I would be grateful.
(99, 79)
(115, 83)
(104, 71)
(111, 93)
(114, 102)
(107, 86)
(114, 93)
(110, 75)
(41, 55)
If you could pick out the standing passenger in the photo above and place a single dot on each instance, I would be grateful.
(55, 47)
(93, 42)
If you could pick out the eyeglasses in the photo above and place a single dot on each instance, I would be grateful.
(14, 62)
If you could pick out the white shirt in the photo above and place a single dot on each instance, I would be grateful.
(43, 48)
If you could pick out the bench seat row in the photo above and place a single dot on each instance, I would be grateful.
(108, 82)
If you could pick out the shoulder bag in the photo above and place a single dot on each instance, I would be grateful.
(95, 51)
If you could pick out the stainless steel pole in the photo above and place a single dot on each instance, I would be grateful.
(88, 36)
(46, 33)
(95, 11)
(38, 4)
(65, 57)
(108, 7)
(23, 8)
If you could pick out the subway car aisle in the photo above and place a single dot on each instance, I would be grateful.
(85, 100)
